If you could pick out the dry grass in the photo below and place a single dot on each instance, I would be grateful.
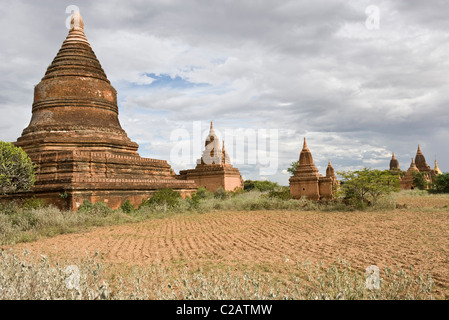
(22, 277)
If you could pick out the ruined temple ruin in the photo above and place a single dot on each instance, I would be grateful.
(214, 169)
(307, 182)
(76, 140)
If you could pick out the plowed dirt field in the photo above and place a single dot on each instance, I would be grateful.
(272, 240)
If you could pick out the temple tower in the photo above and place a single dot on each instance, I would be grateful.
(420, 161)
(75, 137)
(214, 169)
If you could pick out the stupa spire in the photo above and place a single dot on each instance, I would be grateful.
(76, 23)
(437, 170)
(330, 172)
(420, 161)
(304, 147)
(419, 149)
(305, 157)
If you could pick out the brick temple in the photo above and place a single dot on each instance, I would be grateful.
(308, 182)
(76, 140)
(214, 169)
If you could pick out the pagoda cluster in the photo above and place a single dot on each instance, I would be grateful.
(417, 166)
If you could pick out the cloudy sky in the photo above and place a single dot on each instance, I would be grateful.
(311, 69)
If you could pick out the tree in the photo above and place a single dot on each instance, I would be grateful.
(419, 180)
(293, 166)
(166, 197)
(441, 183)
(368, 186)
(17, 171)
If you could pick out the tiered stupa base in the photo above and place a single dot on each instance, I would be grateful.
(67, 178)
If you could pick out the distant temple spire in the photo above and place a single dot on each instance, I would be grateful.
(394, 163)
(437, 170)
(420, 161)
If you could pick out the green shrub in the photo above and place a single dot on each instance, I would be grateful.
(127, 207)
(9, 207)
(419, 180)
(441, 183)
(283, 193)
(101, 209)
(166, 197)
(33, 203)
(261, 186)
(203, 193)
(98, 209)
(194, 201)
(17, 171)
(86, 206)
(221, 194)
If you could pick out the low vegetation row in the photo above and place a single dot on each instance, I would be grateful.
(22, 277)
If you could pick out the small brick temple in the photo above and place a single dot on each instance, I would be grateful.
(214, 169)
(308, 183)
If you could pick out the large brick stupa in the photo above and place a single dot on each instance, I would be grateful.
(76, 140)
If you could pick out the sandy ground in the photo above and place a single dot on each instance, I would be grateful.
(399, 238)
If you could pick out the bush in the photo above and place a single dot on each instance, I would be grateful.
(441, 184)
(101, 209)
(283, 193)
(221, 194)
(194, 201)
(86, 206)
(203, 193)
(16, 169)
(419, 181)
(165, 197)
(127, 207)
(33, 203)
(261, 186)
